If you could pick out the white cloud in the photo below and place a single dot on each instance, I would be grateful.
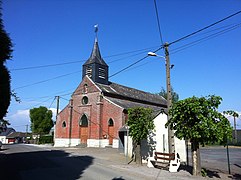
(238, 120)
(19, 115)
(54, 110)
(19, 120)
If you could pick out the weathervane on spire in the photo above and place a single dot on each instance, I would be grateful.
(96, 29)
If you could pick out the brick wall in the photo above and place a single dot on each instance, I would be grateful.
(98, 111)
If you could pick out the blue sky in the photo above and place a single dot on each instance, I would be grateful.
(50, 32)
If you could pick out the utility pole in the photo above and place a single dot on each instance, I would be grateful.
(70, 120)
(169, 99)
(26, 134)
(235, 130)
(57, 111)
(27, 128)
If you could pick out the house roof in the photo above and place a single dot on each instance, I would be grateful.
(16, 134)
(95, 56)
(127, 97)
(7, 132)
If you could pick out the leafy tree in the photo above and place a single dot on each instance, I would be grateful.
(235, 115)
(140, 122)
(3, 125)
(41, 120)
(5, 54)
(163, 93)
(197, 119)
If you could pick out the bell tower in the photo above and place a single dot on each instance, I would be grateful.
(95, 67)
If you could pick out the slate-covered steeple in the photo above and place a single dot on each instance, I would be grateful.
(95, 67)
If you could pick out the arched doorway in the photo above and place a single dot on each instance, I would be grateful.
(83, 129)
(111, 131)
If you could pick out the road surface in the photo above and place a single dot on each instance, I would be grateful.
(28, 162)
(25, 162)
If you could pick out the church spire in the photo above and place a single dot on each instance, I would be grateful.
(95, 67)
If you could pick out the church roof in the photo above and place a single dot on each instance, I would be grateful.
(127, 97)
(95, 56)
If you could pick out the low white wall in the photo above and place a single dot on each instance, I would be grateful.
(97, 142)
(65, 142)
(180, 148)
(128, 147)
(115, 143)
(102, 143)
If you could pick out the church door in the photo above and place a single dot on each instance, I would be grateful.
(84, 129)
(111, 131)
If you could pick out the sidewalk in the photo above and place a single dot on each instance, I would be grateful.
(112, 158)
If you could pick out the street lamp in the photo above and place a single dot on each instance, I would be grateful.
(154, 54)
(169, 95)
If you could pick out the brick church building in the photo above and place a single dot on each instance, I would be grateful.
(97, 111)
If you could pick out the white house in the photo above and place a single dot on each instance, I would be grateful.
(157, 141)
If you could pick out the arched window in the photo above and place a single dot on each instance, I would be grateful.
(84, 121)
(110, 122)
(64, 124)
(86, 88)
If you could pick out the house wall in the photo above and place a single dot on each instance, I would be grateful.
(157, 141)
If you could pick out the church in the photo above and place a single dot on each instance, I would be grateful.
(97, 112)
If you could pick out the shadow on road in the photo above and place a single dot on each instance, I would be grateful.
(236, 176)
(3, 149)
(210, 174)
(43, 165)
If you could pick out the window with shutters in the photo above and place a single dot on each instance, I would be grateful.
(102, 73)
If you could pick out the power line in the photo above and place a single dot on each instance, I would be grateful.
(213, 30)
(74, 62)
(118, 72)
(202, 29)
(64, 99)
(158, 22)
(205, 38)
(126, 57)
(43, 97)
(52, 102)
(43, 81)
(130, 52)
(45, 66)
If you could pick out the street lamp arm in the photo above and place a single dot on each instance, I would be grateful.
(154, 54)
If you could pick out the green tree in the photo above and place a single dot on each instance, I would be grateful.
(197, 119)
(5, 54)
(3, 125)
(41, 120)
(163, 93)
(140, 122)
(235, 115)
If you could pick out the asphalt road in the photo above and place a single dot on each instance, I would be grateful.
(215, 158)
(27, 162)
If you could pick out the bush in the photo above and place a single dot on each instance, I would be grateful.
(46, 139)
(204, 172)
